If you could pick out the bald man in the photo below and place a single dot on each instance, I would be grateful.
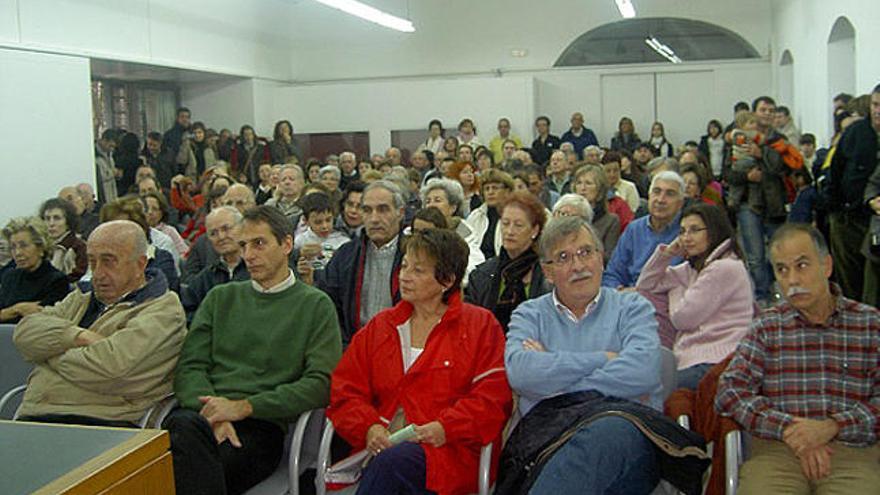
(88, 219)
(104, 357)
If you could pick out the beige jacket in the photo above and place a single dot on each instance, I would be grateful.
(117, 378)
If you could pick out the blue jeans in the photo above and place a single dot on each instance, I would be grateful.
(689, 378)
(398, 470)
(755, 232)
(609, 455)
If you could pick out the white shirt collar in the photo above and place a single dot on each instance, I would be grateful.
(283, 285)
(564, 311)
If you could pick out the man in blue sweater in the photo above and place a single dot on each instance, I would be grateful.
(583, 337)
(643, 235)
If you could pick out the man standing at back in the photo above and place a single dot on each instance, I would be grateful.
(174, 137)
(104, 357)
(259, 353)
(579, 136)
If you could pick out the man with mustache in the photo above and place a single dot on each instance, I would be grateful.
(586, 338)
(804, 381)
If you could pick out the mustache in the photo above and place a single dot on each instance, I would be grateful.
(795, 290)
(581, 275)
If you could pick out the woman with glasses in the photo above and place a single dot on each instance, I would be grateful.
(504, 281)
(34, 282)
(704, 305)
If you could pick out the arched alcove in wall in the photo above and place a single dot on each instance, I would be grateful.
(623, 42)
(841, 58)
(785, 86)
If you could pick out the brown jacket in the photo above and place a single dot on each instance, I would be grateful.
(116, 378)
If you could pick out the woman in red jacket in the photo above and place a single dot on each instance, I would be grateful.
(432, 362)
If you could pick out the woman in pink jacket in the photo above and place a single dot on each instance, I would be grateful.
(704, 305)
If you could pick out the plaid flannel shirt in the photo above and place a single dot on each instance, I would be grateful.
(787, 367)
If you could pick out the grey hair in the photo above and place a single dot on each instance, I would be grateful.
(292, 166)
(559, 228)
(333, 169)
(789, 229)
(348, 153)
(669, 176)
(566, 146)
(452, 188)
(660, 160)
(577, 201)
(236, 215)
(389, 186)
(593, 147)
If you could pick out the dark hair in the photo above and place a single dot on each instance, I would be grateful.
(352, 187)
(783, 110)
(807, 138)
(434, 122)
(485, 152)
(532, 169)
(533, 207)
(740, 106)
(716, 124)
(699, 170)
(845, 97)
(644, 145)
(155, 136)
(276, 133)
(181, 110)
(431, 215)
(719, 230)
(610, 157)
(316, 202)
(199, 125)
(762, 99)
(544, 118)
(448, 251)
(429, 156)
(244, 128)
(66, 207)
(278, 223)
(110, 134)
(163, 203)
(803, 173)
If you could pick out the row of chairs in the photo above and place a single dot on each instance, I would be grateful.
(309, 438)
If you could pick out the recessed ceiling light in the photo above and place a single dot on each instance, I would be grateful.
(519, 53)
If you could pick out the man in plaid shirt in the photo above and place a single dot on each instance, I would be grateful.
(805, 381)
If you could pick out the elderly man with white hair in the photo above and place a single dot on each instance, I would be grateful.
(573, 205)
(447, 196)
(348, 169)
(103, 357)
(643, 235)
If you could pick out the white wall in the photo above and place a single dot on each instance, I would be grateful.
(46, 122)
(222, 36)
(803, 26)
(221, 104)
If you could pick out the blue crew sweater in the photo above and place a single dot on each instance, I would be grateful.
(635, 246)
(621, 322)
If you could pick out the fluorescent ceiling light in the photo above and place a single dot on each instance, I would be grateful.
(371, 14)
(663, 50)
(626, 8)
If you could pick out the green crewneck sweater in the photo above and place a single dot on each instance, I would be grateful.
(276, 350)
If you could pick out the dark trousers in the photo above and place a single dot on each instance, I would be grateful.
(203, 467)
(399, 470)
(75, 419)
(847, 234)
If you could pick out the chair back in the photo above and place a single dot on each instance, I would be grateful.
(668, 367)
(14, 370)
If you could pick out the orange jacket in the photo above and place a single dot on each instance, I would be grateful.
(458, 380)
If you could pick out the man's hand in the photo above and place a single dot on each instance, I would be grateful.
(431, 433)
(610, 355)
(377, 438)
(807, 434)
(533, 345)
(816, 463)
(25, 308)
(224, 431)
(754, 174)
(220, 409)
(86, 337)
(875, 205)
(755, 150)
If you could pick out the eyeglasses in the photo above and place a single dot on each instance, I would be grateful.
(691, 232)
(565, 258)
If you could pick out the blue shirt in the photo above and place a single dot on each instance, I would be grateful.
(581, 142)
(804, 203)
(635, 246)
(575, 359)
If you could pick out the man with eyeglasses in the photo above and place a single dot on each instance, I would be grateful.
(220, 226)
(643, 235)
(571, 356)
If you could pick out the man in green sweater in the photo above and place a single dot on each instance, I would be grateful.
(258, 354)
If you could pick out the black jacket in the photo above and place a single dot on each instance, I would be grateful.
(852, 166)
(342, 280)
(192, 294)
(681, 454)
(45, 285)
(484, 284)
